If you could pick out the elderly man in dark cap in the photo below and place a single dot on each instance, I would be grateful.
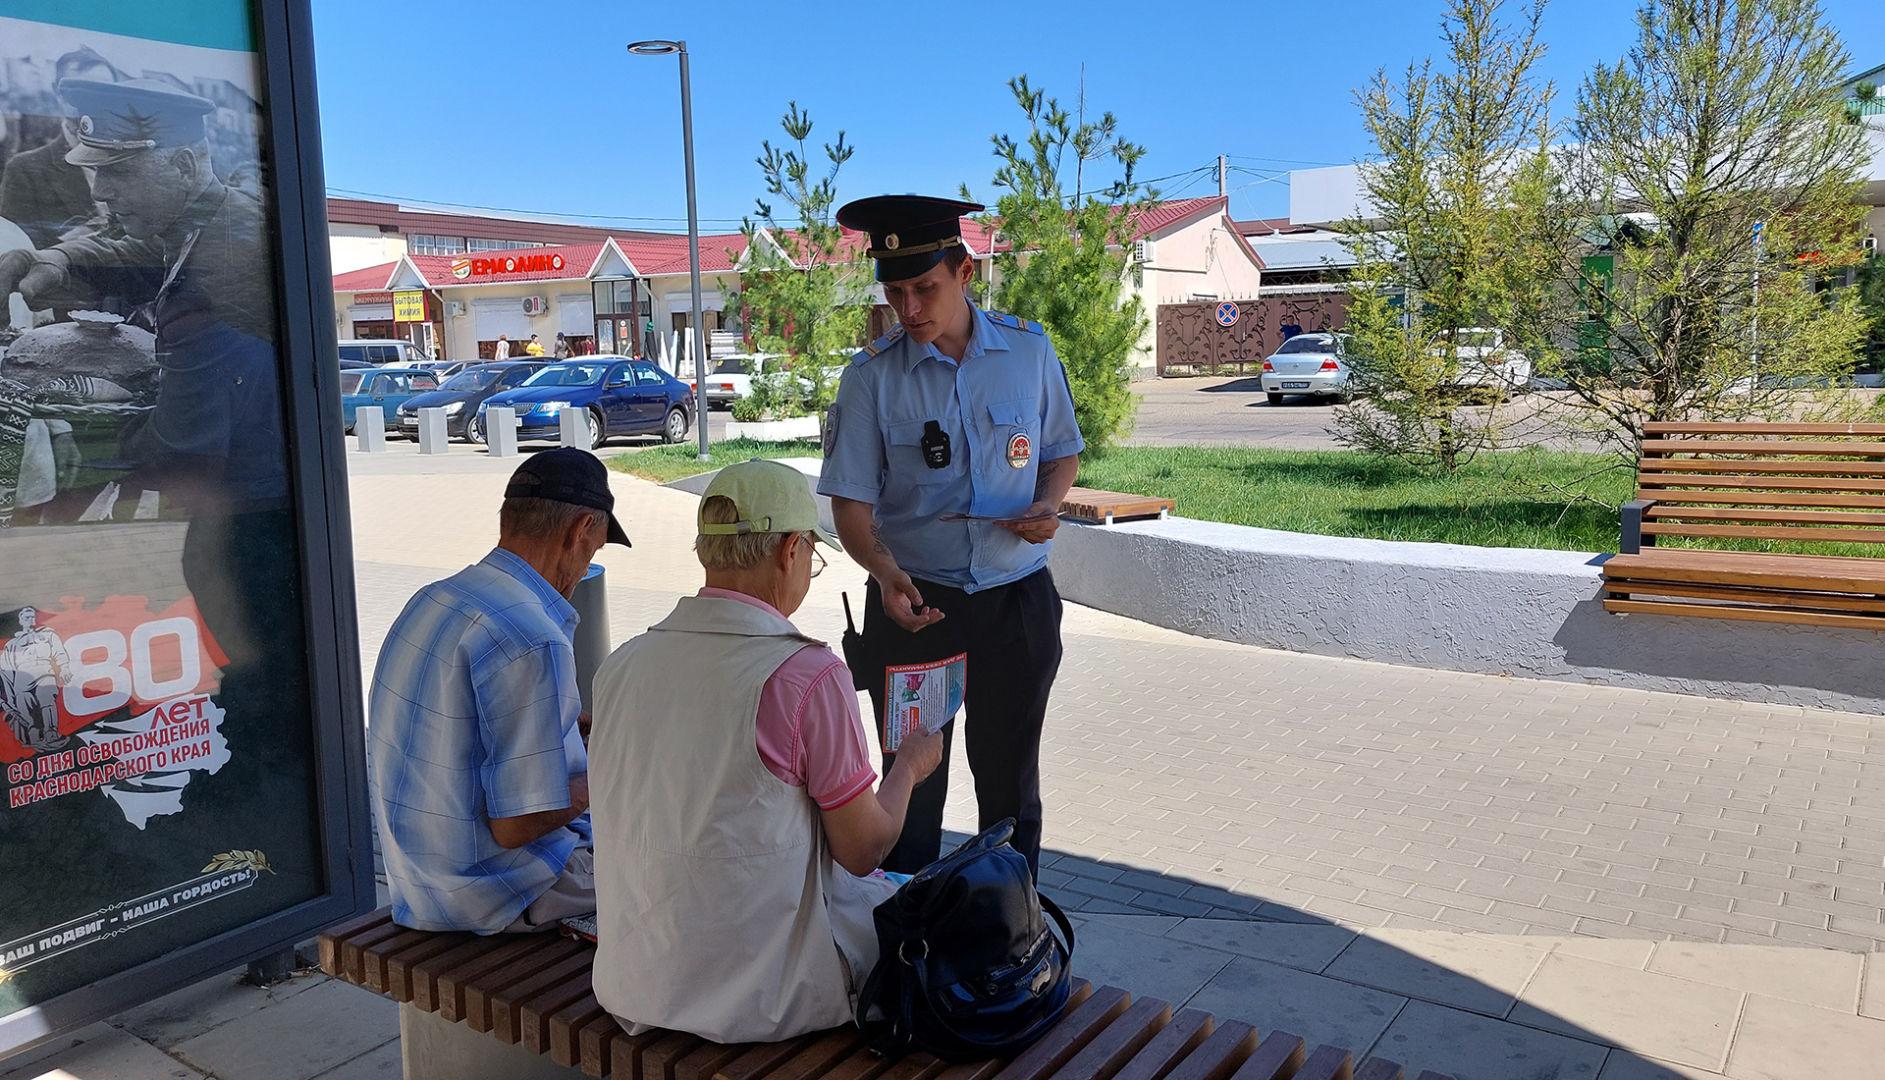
(477, 753)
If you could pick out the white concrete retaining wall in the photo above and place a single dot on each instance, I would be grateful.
(1499, 611)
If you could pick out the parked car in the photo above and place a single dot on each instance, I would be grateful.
(381, 352)
(1314, 364)
(387, 388)
(445, 369)
(730, 378)
(461, 395)
(623, 397)
(1485, 362)
(346, 364)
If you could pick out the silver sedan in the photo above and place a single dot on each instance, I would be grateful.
(1315, 364)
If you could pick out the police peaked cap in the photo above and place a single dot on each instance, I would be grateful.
(908, 233)
(118, 120)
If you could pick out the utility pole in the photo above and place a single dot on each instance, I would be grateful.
(1223, 184)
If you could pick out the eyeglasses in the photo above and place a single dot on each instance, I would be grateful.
(818, 561)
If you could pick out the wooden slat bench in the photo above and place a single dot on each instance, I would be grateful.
(1755, 481)
(1094, 507)
(533, 991)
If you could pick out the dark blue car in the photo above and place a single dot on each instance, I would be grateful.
(622, 397)
(460, 396)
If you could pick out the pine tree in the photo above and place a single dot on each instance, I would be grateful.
(806, 300)
(1458, 242)
(1068, 252)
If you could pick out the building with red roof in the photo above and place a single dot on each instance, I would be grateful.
(629, 292)
(621, 294)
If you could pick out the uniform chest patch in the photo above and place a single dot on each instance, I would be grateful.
(1020, 449)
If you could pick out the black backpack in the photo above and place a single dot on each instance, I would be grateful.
(969, 969)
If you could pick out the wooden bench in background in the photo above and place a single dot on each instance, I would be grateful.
(1755, 481)
(533, 992)
(1095, 507)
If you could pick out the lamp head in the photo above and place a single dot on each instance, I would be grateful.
(657, 48)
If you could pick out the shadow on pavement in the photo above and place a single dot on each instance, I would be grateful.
(1451, 1008)
(1248, 385)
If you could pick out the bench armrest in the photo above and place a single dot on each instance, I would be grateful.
(1631, 541)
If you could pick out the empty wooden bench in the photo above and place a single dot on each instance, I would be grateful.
(1755, 481)
(1094, 507)
(533, 991)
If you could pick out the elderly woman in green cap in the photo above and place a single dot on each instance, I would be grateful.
(738, 819)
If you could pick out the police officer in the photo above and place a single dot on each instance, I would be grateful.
(948, 452)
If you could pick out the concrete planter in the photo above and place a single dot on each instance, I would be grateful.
(1499, 611)
(798, 427)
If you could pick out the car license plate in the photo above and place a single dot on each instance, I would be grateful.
(1295, 386)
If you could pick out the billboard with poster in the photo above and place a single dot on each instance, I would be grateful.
(182, 784)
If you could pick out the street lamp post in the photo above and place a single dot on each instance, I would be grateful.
(662, 48)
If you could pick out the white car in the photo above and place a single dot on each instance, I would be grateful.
(1486, 362)
(1315, 364)
(729, 378)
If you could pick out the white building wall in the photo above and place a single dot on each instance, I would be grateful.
(356, 247)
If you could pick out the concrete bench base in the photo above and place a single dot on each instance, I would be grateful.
(434, 1048)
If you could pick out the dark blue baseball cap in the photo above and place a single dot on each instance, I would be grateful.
(568, 475)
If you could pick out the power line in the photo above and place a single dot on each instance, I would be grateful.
(1188, 172)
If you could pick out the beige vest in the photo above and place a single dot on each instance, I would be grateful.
(720, 910)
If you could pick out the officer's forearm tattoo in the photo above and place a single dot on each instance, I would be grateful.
(1043, 475)
(877, 539)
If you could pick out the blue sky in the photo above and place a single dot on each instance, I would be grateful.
(538, 107)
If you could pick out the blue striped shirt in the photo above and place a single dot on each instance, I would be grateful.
(473, 716)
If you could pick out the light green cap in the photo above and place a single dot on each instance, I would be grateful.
(771, 498)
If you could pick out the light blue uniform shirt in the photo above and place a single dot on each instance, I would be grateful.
(1006, 402)
(473, 716)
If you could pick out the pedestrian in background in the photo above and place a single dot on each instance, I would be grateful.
(503, 348)
(562, 351)
(947, 455)
(534, 347)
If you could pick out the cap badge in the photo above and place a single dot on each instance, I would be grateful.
(891, 241)
(1020, 449)
(85, 125)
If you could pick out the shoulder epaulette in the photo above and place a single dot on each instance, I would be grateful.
(1012, 322)
(882, 343)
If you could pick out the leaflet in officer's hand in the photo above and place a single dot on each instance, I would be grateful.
(1038, 515)
(927, 694)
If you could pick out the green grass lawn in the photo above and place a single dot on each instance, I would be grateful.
(665, 464)
(1503, 500)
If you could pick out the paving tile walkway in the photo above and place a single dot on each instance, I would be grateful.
(1483, 876)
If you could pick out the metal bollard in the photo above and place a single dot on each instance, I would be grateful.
(591, 601)
(369, 423)
(500, 431)
(573, 428)
(432, 437)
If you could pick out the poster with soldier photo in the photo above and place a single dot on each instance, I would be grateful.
(156, 732)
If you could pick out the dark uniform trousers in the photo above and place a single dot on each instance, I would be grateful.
(1011, 634)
